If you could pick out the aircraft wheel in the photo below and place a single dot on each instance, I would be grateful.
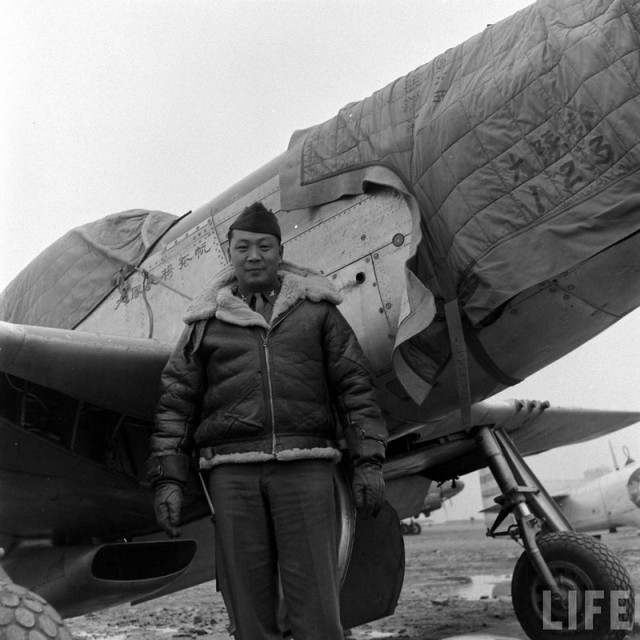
(415, 528)
(404, 528)
(24, 614)
(587, 574)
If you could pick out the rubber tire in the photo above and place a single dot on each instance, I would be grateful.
(578, 562)
(24, 614)
(404, 528)
(415, 529)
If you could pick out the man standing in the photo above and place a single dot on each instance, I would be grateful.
(264, 365)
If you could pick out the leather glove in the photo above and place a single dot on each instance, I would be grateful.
(167, 506)
(367, 450)
(368, 489)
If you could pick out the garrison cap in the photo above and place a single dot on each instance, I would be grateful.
(257, 218)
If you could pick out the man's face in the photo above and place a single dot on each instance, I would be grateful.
(255, 258)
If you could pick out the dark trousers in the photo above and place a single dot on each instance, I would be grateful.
(278, 519)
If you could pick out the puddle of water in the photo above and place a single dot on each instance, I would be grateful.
(93, 636)
(124, 634)
(370, 634)
(478, 587)
(475, 636)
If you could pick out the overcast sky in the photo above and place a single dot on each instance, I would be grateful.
(163, 104)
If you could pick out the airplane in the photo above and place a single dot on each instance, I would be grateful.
(437, 495)
(433, 501)
(479, 217)
(603, 502)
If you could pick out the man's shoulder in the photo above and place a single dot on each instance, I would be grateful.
(298, 284)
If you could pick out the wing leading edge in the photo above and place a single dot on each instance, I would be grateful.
(441, 450)
(115, 372)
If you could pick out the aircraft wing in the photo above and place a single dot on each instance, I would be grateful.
(81, 476)
(121, 373)
(115, 372)
(560, 426)
(442, 450)
(537, 426)
(77, 467)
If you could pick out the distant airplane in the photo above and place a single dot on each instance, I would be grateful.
(481, 218)
(434, 500)
(438, 494)
(606, 502)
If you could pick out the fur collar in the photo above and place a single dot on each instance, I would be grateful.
(216, 299)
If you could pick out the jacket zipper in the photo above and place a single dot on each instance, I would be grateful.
(265, 346)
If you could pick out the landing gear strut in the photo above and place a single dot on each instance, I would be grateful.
(565, 584)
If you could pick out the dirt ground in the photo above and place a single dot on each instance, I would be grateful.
(439, 564)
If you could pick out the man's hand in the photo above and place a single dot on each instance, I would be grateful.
(167, 505)
(368, 489)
